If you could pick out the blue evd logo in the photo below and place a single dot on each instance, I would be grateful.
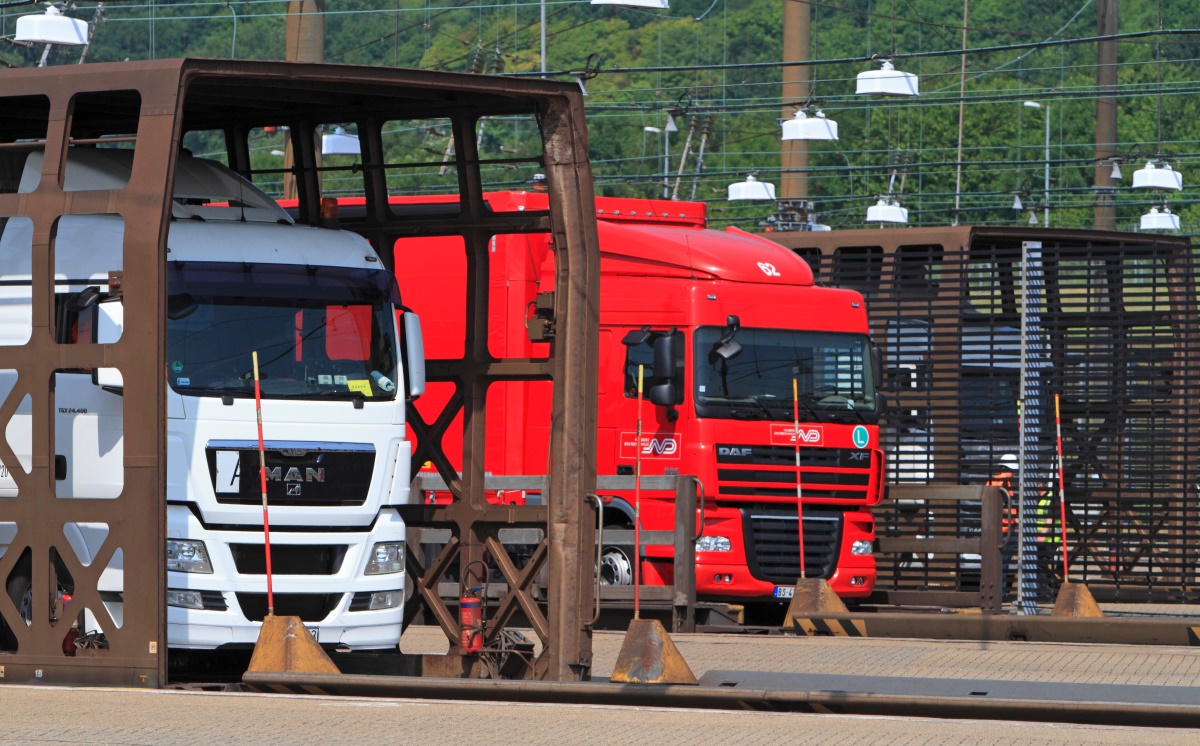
(861, 437)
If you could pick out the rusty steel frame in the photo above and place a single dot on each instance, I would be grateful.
(178, 96)
(1165, 532)
(680, 596)
(897, 539)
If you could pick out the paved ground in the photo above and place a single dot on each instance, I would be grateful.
(67, 716)
(1006, 661)
(31, 715)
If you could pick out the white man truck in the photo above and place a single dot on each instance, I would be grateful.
(319, 309)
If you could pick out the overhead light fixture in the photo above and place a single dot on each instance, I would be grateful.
(52, 27)
(339, 142)
(887, 210)
(805, 127)
(1157, 175)
(653, 4)
(1017, 206)
(1032, 217)
(887, 81)
(1116, 170)
(751, 189)
(1160, 219)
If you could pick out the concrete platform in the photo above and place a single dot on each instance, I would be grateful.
(71, 715)
(908, 659)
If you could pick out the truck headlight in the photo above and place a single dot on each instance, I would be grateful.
(386, 600)
(861, 546)
(714, 544)
(387, 557)
(184, 599)
(185, 555)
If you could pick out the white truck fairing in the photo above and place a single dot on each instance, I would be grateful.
(319, 308)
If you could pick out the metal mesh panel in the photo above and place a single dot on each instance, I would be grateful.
(1114, 339)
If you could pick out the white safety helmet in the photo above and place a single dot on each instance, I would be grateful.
(1009, 461)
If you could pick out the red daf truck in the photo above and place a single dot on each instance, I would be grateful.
(722, 322)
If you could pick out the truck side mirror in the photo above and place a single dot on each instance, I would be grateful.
(663, 394)
(414, 352)
(664, 356)
(876, 366)
(110, 319)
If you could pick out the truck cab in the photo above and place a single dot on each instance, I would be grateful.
(735, 342)
(319, 310)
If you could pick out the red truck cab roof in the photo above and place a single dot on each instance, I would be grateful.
(676, 232)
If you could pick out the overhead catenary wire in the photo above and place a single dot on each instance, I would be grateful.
(738, 94)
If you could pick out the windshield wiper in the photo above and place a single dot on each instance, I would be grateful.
(810, 409)
(737, 411)
(775, 408)
(834, 413)
(749, 414)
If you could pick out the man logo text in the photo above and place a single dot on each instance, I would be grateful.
(274, 474)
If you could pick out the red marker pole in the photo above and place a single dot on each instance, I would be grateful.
(637, 507)
(1062, 486)
(262, 478)
(799, 489)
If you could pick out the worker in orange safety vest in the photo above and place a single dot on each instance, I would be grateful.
(1006, 478)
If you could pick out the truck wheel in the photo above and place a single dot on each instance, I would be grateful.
(20, 591)
(615, 567)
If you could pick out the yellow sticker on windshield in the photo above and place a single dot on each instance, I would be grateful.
(360, 386)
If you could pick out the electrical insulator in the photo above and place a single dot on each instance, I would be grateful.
(476, 60)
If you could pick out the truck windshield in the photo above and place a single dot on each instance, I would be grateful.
(320, 332)
(753, 379)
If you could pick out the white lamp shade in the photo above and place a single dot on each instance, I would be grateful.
(339, 142)
(1157, 177)
(654, 4)
(804, 127)
(887, 211)
(887, 81)
(751, 188)
(1160, 220)
(52, 27)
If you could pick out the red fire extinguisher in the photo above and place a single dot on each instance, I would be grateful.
(470, 619)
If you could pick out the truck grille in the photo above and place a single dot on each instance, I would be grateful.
(310, 607)
(770, 471)
(299, 474)
(773, 545)
(288, 559)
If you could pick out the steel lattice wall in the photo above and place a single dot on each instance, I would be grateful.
(1116, 339)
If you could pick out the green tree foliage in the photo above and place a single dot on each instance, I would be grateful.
(719, 60)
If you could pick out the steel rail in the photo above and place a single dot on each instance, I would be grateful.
(731, 698)
(1178, 632)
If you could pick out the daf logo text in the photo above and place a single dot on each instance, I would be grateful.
(733, 451)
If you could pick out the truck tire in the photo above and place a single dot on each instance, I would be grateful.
(19, 590)
(615, 567)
